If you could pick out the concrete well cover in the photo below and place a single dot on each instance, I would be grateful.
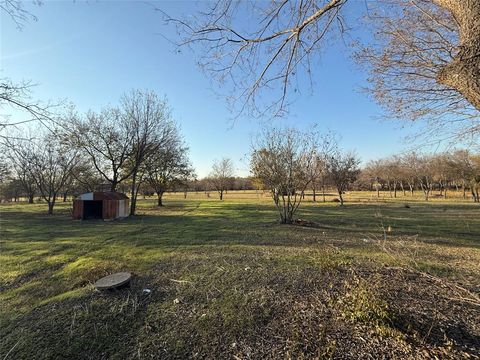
(113, 280)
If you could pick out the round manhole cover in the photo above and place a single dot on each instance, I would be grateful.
(113, 280)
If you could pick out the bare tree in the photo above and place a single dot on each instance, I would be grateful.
(21, 167)
(409, 171)
(410, 60)
(475, 178)
(424, 172)
(17, 95)
(85, 178)
(118, 141)
(443, 171)
(317, 173)
(51, 164)
(343, 170)
(10, 189)
(283, 160)
(5, 168)
(267, 56)
(463, 168)
(222, 175)
(373, 173)
(168, 165)
(107, 140)
(430, 46)
(15, 9)
(149, 124)
(391, 174)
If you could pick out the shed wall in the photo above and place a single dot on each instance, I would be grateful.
(78, 209)
(114, 205)
(122, 208)
(110, 209)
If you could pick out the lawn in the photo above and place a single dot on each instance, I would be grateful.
(373, 278)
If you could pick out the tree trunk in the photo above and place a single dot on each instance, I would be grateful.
(133, 196)
(323, 192)
(221, 194)
(30, 198)
(51, 204)
(314, 195)
(426, 192)
(475, 194)
(133, 206)
(463, 72)
(65, 196)
(113, 185)
(159, 200)
(341, 197)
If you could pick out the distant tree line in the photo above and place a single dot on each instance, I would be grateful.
(455, 170)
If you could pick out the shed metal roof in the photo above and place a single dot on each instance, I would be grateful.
(103, 195)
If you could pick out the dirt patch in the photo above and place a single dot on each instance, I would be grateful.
(307, 223)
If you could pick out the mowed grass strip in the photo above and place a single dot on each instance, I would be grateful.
(227, 280)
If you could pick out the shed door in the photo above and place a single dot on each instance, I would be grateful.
(92, 209)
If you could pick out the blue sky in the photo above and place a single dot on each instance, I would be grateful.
(92, 52)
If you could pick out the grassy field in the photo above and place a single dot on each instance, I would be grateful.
(371, 279)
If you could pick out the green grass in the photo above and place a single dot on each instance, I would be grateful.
(244, 283)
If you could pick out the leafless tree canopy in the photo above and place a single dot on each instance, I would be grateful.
(15, 9)
(48, 162)
(107, 140)
(426, 172)
(260, 46)
(413, 42)
(283, 161)
(222, 175)
(342, 169)
(168, 166)
(424, 61)
(17, 96)
(119, 140)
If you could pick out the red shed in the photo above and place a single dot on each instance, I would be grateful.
(105, 205)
